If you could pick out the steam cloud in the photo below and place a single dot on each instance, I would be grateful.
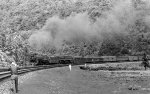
(79, 28)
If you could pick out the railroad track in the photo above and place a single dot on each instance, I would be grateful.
(4, 74)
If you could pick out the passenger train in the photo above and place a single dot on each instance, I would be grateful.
(47, 60)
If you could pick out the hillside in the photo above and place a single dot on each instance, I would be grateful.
(75, 27)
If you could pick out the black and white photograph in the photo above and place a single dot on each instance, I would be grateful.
(74, 46)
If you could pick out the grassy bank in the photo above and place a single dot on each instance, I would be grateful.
(114, 66)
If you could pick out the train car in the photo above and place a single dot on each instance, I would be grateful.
(109, 58)
(133, 58)
(54, 59)
(97, 60)
(66, 59)
(79, 60)
(122, 58)
(88, 59)
(91, 59)
(140, 58)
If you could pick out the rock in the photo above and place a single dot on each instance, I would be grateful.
(134, 87)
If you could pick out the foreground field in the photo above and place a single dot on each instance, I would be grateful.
(77, 81)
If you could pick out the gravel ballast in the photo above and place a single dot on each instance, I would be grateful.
(5, 86)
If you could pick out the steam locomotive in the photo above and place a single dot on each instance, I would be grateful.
(47, 60)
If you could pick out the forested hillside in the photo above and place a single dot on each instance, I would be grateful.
(75, 27)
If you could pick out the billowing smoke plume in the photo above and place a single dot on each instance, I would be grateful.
(79, 27)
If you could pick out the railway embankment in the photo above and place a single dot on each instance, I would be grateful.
(114, 66)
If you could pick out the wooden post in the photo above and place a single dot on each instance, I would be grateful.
(12, 88)
(70, 67)
(85, 65)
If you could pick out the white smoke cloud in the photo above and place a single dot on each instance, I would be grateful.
(79, 27)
